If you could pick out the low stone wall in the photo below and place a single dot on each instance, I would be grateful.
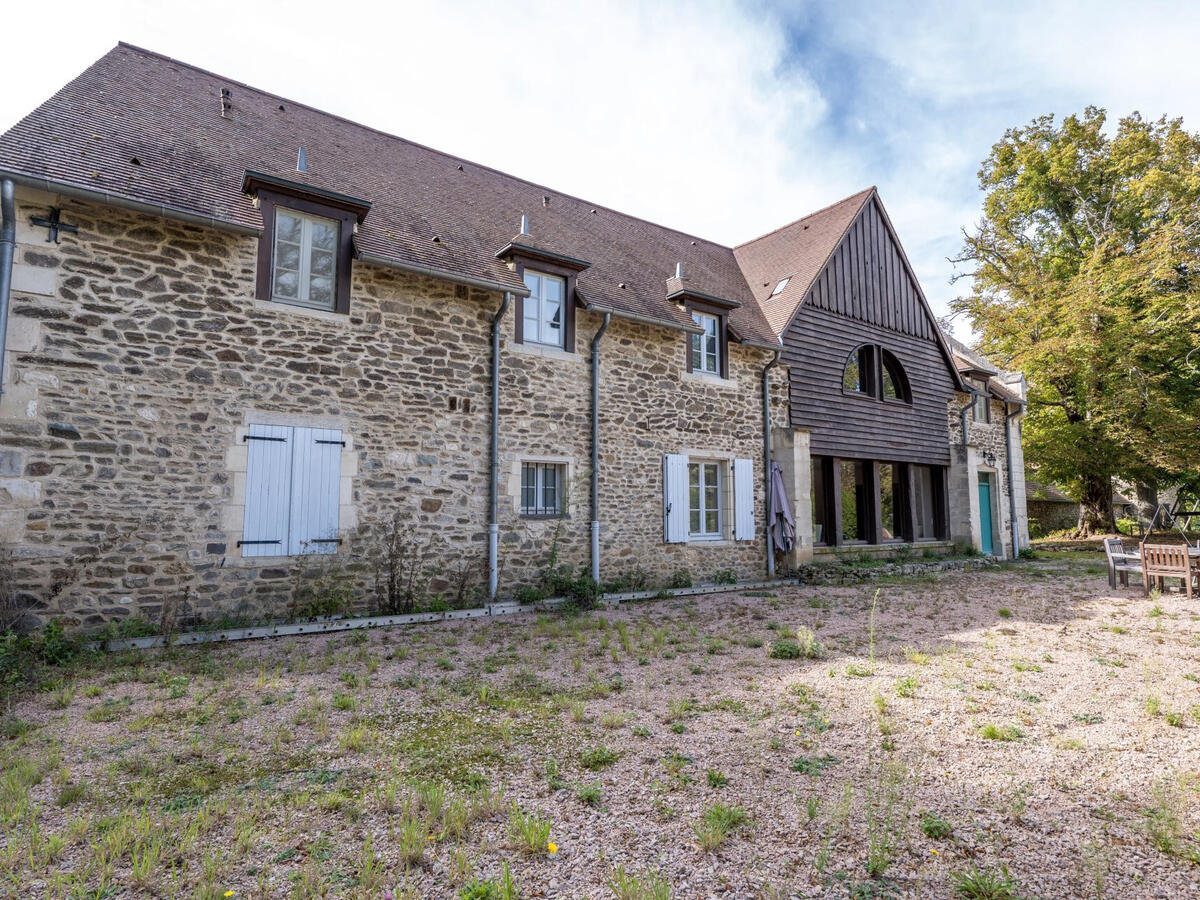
(833, 574)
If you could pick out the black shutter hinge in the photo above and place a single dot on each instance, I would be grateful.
(259, 437)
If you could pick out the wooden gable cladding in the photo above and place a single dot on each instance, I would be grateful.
(866, 294)
(867, 279)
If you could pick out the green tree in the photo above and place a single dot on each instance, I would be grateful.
(1085, 274)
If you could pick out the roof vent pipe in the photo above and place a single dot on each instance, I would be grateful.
(226, 101)
(679, 270)
(301, 160)
(524, 225)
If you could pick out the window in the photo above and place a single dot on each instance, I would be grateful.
(779, 287)
(895, 384)
(859, 374)
(304, 269)
(892, 501)
(927, 493)
(856, 512)
(822, 515)
(706, 499)
(981, 410)
(292, 491)
(543, 489)
(706, 347)
(705, 512)
(543, 309)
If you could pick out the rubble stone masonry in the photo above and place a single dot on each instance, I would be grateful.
(137, 357)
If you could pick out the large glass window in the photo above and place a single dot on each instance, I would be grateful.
(925, 503)
(820, 502)
(856, 517)
(543, 309)
(304, 271)
(706, 348)
(859, 374)
(891, 501)
(705, 497)
(542, 489)
(981, 412)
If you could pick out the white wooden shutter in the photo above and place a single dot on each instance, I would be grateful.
(316, 473)
(743, 500)
(268, 490)
(675, 498)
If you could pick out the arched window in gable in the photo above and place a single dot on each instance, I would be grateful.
(859, 374)
(895, 382)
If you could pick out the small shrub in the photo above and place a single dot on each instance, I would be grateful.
(907, 687)
(528, 595)
(410, 837)
(716, 778)
(813, 765)
(725, 576)
(680, 579)
(1004, 613)
(994, 732)
(529, 831)
(717, 823)
(589, 794)
(598, 757)
(935, 828)
(628, 886)
(983, 884)
(501, 888)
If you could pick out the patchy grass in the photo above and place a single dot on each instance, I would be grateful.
(620, 752)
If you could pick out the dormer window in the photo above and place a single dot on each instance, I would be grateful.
(306, 244)
(305, 259)
(543, 309)
(706, 347)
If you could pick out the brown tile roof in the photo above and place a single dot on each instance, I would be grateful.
(970, 363)
(797, 252)
(136, 105)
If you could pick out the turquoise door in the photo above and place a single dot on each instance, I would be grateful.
(985, 516)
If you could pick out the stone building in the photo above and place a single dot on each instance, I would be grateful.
(257, 356)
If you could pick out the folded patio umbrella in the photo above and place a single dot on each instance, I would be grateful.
(783, 528)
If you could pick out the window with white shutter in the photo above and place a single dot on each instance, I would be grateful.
(292, 490)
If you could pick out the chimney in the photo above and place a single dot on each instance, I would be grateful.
(524, 225)
(679, 270)
(226, 101)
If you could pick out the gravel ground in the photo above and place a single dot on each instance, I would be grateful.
(1050, 725)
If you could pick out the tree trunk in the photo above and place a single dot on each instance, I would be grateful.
(1095, 506)
(1147, 501)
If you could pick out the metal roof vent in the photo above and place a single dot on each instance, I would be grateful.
(524, 225)
(678, 270)
(301, 160)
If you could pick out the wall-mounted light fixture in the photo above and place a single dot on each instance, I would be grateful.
(990, 458)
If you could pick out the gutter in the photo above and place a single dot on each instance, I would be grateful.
(8, 243)
(596, 447)
(766, 409)
(1012, 491)
(494, 457)
(108, 199)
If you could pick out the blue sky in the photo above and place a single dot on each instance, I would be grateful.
(724, 119)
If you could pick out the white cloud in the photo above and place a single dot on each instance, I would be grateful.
(719, 118)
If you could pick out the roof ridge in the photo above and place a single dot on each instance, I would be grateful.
(810, 215)
(412, 143)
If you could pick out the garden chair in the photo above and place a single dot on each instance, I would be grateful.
(1163, 561)
(1119, 563)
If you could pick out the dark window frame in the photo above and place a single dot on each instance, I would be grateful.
(721, 314)
(878, 361)
(268, 201)
(890, 365)
(825, 502)
(568, 275)
(872, 525)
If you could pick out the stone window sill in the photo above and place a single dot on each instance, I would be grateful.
(543, 351)
(325, 315)
(708, 380)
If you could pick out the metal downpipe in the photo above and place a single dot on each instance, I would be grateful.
(1012, 494)
(766, 406)
(8, 243)
(494, 457)
(596, 447)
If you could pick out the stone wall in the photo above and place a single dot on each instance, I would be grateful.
(138, 356)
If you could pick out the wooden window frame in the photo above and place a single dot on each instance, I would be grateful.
(899, 376)
(721, 314)
(877, 365)
(568, 275)
(829, 508)
(268, 201)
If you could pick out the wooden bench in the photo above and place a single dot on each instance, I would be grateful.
(1121, 562)
(1163, 561)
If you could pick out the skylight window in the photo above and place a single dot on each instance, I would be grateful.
(779, 287)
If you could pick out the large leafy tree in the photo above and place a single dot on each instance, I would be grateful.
(1085, 274)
